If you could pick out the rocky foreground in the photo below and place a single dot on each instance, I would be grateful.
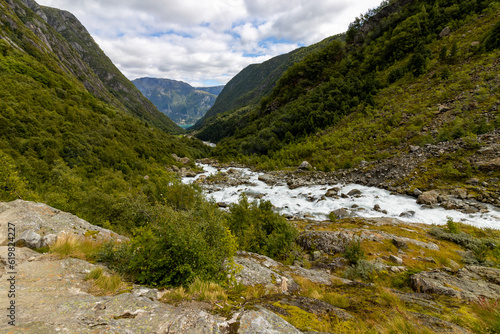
(411, 269)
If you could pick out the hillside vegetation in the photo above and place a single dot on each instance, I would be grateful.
(248, 87)
(60, 143)
(394, 83)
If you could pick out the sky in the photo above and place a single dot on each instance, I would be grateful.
(206, 42)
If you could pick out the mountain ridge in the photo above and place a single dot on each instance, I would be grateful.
(180, 101)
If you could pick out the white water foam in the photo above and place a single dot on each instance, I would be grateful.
(310, 202)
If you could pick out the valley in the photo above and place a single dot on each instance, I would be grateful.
(348, 186)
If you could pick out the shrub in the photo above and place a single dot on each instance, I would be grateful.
(260, 230)
(452, 226)
(362, 270)
(492, 40)
(177, 249)
(353, 252)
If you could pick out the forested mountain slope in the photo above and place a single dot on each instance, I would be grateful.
(249, 86)
(126, 94)
(181, 102)
(65, 139)
(411, 73)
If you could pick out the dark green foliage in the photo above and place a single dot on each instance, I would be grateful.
(353, 252)
(260, 230)
(480, 247)
(492, 40)
(63, 146)
(248, 87)
(175, 248)
(329, 85)
(362, 270)
(118, 90)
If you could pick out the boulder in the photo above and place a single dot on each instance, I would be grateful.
(396, 259)
(407, 214)
(354, 193)
(305, 166)
(330, 242)
(29, 239)
(332, 192)
(267, 179)
(35, 222)
(428, 198)
(254, 269)
(341, 213)
(264, 321)
(444, 32)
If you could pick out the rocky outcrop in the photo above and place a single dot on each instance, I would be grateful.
(37, 224)
(263, 321)
(470, 283)
(54, 299)
(333, 242)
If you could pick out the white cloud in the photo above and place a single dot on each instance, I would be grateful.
(206, 41)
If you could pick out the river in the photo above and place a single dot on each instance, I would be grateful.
(310, 203)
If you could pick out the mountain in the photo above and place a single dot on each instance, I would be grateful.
(411, 76)
(178, 100)
(93, 146)
(115, 82)
(254, 82)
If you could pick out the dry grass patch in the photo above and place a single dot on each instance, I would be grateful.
(71, 245)
(197, 290)
(104, 284)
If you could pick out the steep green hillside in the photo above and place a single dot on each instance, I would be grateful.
(396, 82)
(181, 102)
(249, 86)
(127, 95)
(69, 147)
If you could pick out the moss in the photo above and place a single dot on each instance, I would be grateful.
(303, 320)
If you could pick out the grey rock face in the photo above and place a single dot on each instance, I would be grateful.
(257, 269)
(38, 223)
(29, 239)
(470, 283)
(263, 321)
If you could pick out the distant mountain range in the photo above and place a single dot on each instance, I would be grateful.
(181, 102)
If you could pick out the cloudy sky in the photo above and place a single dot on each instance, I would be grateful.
(206, 42)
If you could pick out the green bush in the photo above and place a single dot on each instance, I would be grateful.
(362, 270)
(492, 40)
(176, 249)
(353, 252)
(260, 230)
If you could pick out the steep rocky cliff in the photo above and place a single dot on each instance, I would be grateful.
(59, 35)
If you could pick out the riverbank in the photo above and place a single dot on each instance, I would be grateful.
(303, 194)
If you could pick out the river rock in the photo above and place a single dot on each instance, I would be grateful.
(332, 192)
(354, 193)
(267, 179)
(407, 214)
(428, 197)
(341, 213)
(470, 283)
